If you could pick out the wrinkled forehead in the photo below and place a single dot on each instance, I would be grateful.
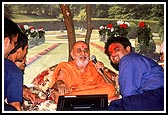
(113, 46)
(81, 45)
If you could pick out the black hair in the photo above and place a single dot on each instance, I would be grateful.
(122, 40)
(22, 42)
(11, 29)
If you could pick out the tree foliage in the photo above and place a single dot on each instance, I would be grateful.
(120, 11)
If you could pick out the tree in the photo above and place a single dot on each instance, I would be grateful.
(89, 23)
(69, 24)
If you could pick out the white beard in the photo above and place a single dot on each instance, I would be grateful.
(82, 63)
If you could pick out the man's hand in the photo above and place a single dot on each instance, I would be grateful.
(34, 98)
(53, 95)
(99, 65)
(61, 87)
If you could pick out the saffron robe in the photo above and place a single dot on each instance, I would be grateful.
(88, 82)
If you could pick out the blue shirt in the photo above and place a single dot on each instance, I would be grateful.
(138, 74)
(13, 82)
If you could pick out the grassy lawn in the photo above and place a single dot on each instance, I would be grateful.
(31, 18)
(60, 53)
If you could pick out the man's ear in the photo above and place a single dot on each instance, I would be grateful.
(72, 55)
(128, 48)
(6, 41)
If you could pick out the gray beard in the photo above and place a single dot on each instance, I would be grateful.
(82, 64)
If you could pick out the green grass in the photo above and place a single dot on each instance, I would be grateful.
(57, 54)
(34, 18)
(31, 18)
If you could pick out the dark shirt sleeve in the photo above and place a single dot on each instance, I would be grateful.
(128, 82)
(138, 74)
(14, 91)
(13, 82)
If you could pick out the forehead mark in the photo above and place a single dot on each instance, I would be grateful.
(112, 47)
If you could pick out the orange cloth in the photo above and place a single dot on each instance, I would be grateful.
(89, 82)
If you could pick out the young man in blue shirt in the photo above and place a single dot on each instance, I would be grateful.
(141, 79)
(11, 32)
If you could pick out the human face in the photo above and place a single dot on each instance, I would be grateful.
(22, 53)
(9, 45)
(81, 54)
(117, 51)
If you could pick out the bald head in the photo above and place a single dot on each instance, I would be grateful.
(80, 53)
(80, 43)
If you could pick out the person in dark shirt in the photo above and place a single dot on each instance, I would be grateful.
(13, 76)
(141, 79)
(11, 32)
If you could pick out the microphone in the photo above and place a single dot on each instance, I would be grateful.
(95, 61)
(105, 77)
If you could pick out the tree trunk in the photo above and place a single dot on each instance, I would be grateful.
(69, 26)
(89, 23)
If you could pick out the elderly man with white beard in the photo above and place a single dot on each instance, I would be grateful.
(81, 76)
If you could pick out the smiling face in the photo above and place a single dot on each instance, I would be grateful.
(81, 54)
(117, 51)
